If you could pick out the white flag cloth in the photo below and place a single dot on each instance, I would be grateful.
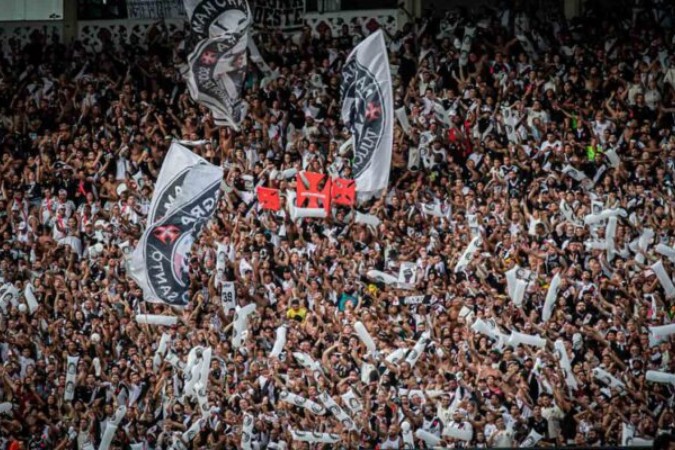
(156, 319)
(312, 213)
(189, 434)
(8, 295)
(215, 76)
(196, 375)
(613, 158)
(592, 219)
(315, 437)
(610, 233)
(441, 114)
(189, 143)
(569, 214)
(565, 364)
(161, 351)
(202, 399)
(159, 264)
(309, 363)
(368, 110)
(111, 428)
(288, 173)
(490, 330)
(367, 219)
(365, 337)
(453, 430)
(628, 438)
(467, 256)
(627, 433)
(527, 46)
(660, 333)
(352, 401)
(241, 323)
(608, 379)
(515, 286)
(337, 411)
(171, 179)
(280, 342)
(408, 439)
(31, 301)
(417, 350)
(407, 274)
(257, 58)
(205, 367)
(431, 440)
(345, 146)
(212, 18)
(396, 356)
(664, 279)
(71, 377)
(660, 377)
(551, 296)
(465, 48)
(517, 339)
(221, 264)
(666, 251)
(381, 277)
(640, 245)
(531, 439)
(297, 400)
(228, 296)
(402, 118)
(247, 431)
(434, 210)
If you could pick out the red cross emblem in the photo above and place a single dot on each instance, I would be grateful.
(310, 194)
(208, 58)
(373, 111)
(343, 192)
(167, 234)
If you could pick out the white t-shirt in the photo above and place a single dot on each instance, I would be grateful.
(503, 438)
(600, 127)
(554, 415)
(390, 443)
(550, 145)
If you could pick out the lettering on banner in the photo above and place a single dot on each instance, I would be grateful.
(168, 246)
(285, 15)
(228, 296)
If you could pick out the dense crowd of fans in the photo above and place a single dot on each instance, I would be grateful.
(83, 134)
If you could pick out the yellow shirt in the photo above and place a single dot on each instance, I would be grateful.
(297, 314)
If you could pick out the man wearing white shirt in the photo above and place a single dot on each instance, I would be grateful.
(551, 412)
(600, 124)
(536, 112)
(551, 143)
(458, 427)
(63, 201)
(503, 437)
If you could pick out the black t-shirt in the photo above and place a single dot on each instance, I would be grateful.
(540, 426)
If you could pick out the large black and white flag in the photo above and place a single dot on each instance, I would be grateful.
(171, 179)
(368, 110)
(160, 262)
(216, 68)
(216, 74)
(212, 18)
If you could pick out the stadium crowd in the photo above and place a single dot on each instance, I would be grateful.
(584, 118)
